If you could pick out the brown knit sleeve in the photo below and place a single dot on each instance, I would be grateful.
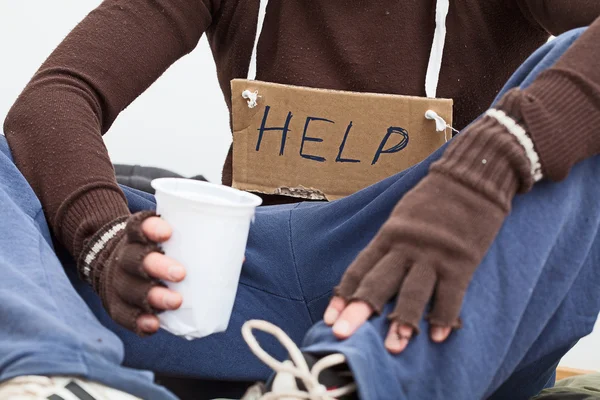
(561, 108)
(55, 127)
(559, 16)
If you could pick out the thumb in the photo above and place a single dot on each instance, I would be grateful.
(157, 229)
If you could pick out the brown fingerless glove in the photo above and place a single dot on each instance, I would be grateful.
(112, 262)
(440, 231)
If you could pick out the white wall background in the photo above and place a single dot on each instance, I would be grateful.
(180, 123)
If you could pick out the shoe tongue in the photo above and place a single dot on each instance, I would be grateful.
(330, 378)
(284, 381)
(254, 392)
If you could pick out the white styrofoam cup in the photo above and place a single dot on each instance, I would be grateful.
(210, 230)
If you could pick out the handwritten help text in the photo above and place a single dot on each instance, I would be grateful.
(311, 127)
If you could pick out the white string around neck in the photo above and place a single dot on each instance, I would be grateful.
(437, 48)
(262, 11)
(433, 68)
(435, 59)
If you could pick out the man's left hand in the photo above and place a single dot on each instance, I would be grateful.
(435, 238)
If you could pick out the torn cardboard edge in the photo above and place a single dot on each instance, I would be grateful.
(322, 144)
(299, 192)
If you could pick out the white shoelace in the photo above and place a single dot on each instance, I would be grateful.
(297, 368)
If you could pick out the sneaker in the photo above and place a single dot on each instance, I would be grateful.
(304, 376)
(58, 388)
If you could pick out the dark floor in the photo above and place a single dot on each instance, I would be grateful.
(198, 389)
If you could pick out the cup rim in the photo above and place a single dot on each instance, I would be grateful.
(254, 200)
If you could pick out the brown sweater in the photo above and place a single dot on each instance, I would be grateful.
(55, 128)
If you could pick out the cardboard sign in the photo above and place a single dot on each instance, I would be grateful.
(324, 144)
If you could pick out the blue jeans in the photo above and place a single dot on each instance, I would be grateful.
(532, 298)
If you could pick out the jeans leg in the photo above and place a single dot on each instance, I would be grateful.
(529, 301)
(46, 327)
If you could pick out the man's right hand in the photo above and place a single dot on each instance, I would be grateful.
(125, 266)
(159, 266)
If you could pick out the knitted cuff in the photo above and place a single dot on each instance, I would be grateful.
(561, 113)
(89, 258)
(489, 159)
(85, 212)
(508, 112)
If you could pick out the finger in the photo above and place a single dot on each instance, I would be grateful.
(382, 282)
(162, 298)
(131, 258)
(147, 323)
(365, 261)
(135, 233)
(414, 295)
(159, 266)
(440, 333)
(335, 308)
(398, 338)
(446, 306)
(133, 290)
(353, 316)
(157, 229)
(128, 315)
